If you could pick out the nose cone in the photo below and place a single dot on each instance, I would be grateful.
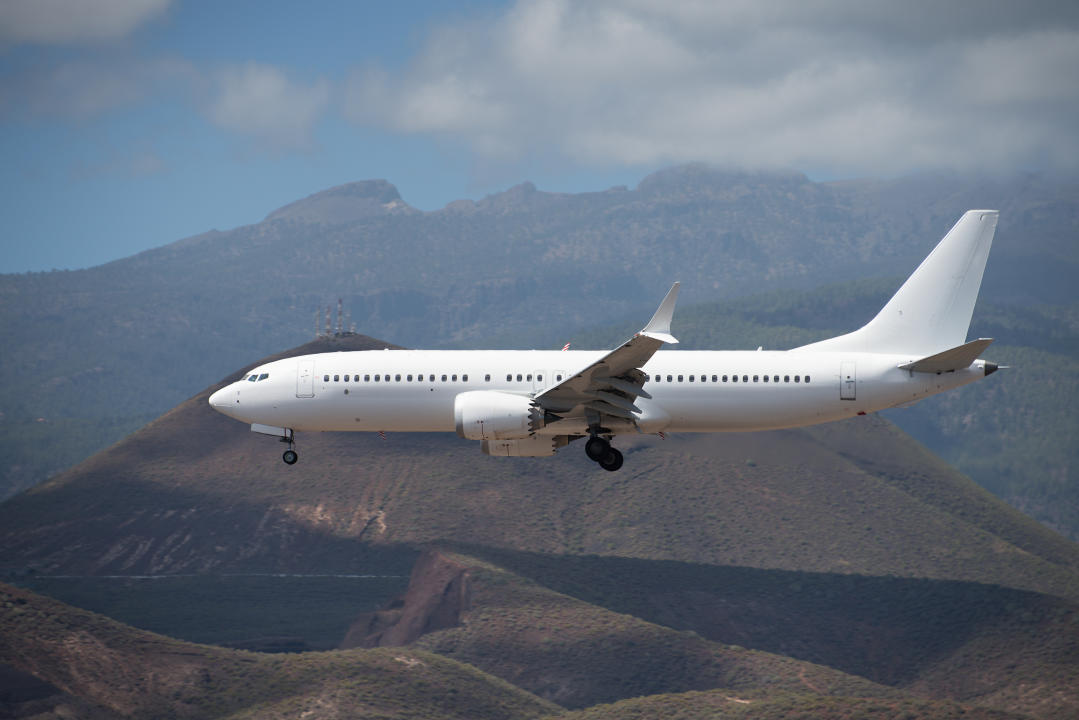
(219, 400)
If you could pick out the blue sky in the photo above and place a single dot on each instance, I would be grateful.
(128, 124)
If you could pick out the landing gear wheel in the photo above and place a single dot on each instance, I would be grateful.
(611, 461)
(596, 448)
(290, 457)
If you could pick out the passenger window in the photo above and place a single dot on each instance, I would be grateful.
(337, 378)
(559, 378)
(691, 378)
(539, 378)
(367, 378)
(518, 377)
(807, 378)
(443, 378)
(656, 378)
(454, 378)
(487, 377)
(670, 378)
(714, 379)
(509, 378)
(724, 378)
(775, 378)
(765, 378)
(734, 378)
(346, 378)
(786, 378)
(408, 377)
(679, 378)
(386, 378)
(745, 378)
(797, 378)
(529, 377)
(464, 378)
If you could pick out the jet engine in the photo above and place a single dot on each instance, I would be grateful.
(493, 415)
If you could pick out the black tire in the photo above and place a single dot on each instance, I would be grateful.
(611, 461)
(596, 448)
(290, 457)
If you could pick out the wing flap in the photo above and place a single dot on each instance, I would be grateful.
(955, 358)
(610, 385)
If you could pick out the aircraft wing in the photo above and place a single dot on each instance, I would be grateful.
(609, 386)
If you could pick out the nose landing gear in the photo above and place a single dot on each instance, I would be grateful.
(289, 456)
(599, 450)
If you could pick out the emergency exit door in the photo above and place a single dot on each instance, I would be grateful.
(305, 378)
(848, 380)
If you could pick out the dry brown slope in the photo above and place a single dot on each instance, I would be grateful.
(195, 491)
(571, 652)
(728, 705)
(1010, 649)
(136, 673)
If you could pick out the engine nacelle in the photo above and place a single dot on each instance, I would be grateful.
(535, 446)
(493, 415)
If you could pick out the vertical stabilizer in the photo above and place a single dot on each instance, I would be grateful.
(931, 312)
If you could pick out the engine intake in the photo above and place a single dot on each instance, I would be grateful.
(493, 415)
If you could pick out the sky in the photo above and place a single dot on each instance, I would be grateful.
(129, 124)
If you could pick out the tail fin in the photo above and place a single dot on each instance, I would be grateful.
(931, 312)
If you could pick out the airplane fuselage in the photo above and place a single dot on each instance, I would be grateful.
(530, 403)
(692, 391)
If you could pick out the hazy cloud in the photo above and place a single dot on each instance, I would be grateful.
(84, 88)
(259, 100)
(842, 86)
(73, 21)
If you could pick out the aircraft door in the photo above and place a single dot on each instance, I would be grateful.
(305, 378)
(848, 380)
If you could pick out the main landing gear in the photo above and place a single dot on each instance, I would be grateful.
(599, 450)
(289, 456)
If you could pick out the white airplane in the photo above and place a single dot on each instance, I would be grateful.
(531, 403)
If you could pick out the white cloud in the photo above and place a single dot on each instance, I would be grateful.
(73, 21)
(841, 85)
(259, 100)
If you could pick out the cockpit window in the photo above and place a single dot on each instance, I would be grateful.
(252, 377)
(263, 376)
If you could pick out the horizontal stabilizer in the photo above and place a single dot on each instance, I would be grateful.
(955, 359)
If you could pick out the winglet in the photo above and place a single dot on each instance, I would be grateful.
(659, 327)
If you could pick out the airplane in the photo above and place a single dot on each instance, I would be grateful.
(530, 403)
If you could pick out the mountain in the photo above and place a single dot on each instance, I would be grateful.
(92, 355)
(842, 566)
(117, 671)
(1013, 434)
